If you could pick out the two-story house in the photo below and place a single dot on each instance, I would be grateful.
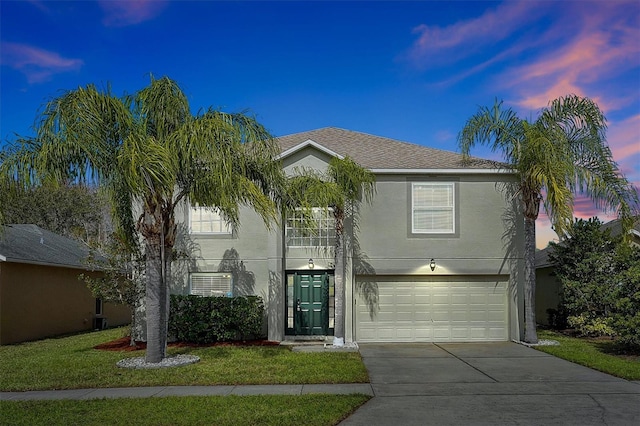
(436, 256)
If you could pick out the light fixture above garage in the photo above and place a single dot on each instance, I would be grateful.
(432, 264)
(311, 264)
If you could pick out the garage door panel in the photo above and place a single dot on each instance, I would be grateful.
(404, 316)
(478, 316)
(435, 309)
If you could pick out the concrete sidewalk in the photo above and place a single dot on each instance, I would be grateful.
(443, 384)
(161, 391)
(489, 384)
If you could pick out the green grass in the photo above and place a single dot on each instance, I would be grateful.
(216, 410)
(596, 354)
(72, 363)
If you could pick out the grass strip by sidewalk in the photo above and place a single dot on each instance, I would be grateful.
(228, 410)
(595, 354)
(72, 363)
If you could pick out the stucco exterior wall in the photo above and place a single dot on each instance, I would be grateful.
(488, 238)
(547, 294)
(483, 241)
(488, 241)
(43, 301)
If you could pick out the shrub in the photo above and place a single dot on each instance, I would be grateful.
(600, 283)
(196, 319)
(591, 326)
(626, 318)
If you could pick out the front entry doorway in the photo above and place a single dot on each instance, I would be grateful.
(310, 303)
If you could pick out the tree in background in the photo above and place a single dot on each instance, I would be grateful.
(344, 184)
(122, 278)
(599, 277)
(561, 153)
(150, 154)
(75, 211)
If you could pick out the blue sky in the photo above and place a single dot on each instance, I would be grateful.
(413, 71)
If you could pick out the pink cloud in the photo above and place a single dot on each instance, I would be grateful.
(573, 68)
(540, 98)
(120, 13)
(625, 137)
(624, 140)
(583, 208)
(36, 64)
(585, 61)
(577, 48)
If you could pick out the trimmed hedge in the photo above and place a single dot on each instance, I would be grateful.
(196, 319)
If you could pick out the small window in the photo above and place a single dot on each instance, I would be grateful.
(207, 220)
(433, 209)
(211, 284)
(98, 306)
(317, 231)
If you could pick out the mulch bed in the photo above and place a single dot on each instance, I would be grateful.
(124, 344)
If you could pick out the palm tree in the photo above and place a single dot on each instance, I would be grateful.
(343, 185)
(561, 153)
(151, 154)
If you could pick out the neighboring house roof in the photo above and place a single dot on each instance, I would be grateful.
(34, 245)
(380, 154)
(615, 227)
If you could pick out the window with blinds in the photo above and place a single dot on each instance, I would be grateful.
(211, 284)
(433, 208)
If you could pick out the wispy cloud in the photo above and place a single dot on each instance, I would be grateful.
(120, 13)
(624, 140)
(545, 57)
(38, 65)
(590, 59)
(442, 45)
(533, 52)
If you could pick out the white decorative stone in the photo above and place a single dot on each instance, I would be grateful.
(173, 361)
(541, 343)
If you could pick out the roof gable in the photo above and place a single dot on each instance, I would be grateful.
(379, 153)
(309, 143)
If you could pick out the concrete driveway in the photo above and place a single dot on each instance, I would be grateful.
(489, 384)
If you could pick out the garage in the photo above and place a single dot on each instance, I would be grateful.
(431, 309)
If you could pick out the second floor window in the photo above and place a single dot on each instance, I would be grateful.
(207, 220)
(316, 231)
(433, 208)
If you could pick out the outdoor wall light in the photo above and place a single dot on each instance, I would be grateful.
(432, 264)
(311, 265)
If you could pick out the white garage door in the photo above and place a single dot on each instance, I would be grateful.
(431, 309)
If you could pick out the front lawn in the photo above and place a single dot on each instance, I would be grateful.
(592, 353)
(215, 410)
(73, 363)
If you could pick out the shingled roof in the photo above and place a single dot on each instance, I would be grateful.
(380, 153)
(32, 244)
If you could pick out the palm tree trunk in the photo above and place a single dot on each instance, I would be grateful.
(530, 335)
(168, 261)
(338, 331)
(156, 296)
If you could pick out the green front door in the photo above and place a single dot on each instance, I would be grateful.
(311, 303)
